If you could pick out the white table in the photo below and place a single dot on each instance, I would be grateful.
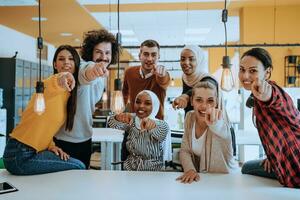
(244, 137)
(111, 140)
(123, 185)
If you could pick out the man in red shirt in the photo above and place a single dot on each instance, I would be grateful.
(148, 76)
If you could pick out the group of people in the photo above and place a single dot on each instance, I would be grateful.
(60, 139)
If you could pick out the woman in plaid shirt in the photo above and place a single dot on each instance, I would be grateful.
(276, 118)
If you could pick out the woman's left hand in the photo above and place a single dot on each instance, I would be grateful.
(212, 115)
(59, 152)
(147, 124)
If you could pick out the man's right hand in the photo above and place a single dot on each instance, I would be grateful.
(66, 80)
(97, 70)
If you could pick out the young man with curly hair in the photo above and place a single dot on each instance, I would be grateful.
(99, 50)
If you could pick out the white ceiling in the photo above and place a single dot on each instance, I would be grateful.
(170, 28)
(92, 2)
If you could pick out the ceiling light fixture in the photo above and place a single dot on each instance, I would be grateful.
(39, 103)
(66, 34)
(227, 82)
(37, 19)
(117, 103)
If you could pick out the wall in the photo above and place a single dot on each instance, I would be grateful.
(12, 41)
(271, 24)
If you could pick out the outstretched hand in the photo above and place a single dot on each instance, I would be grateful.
(179, 102)
(66, 80)
(212, 115)
(124, 118)
(99, 70)
(147, 124)
(159, 70)
(262, 90)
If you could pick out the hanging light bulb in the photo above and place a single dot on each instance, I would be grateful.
(104, 96)
(39, 102)
(172, 82)
(117, 103)
(227, 82)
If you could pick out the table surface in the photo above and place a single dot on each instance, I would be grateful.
(107, 135)
(120, 185)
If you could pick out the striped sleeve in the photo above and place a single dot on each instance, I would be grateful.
(160, 131)
(113, 123)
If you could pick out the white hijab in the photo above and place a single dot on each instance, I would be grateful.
(196, 76)
(155, 107)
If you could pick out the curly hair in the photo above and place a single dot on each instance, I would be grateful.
(94, 37)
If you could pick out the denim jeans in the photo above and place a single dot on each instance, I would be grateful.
(255, 167)
(20, 159)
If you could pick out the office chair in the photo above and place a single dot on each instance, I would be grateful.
(167, 152)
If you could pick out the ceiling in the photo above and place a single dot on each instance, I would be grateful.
(170, 22)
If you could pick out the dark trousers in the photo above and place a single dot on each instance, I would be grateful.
(81, 151)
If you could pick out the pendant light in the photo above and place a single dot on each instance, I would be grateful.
(104, 99)
(39, 102)
(172, 82)
(117, 103)
(227, 82)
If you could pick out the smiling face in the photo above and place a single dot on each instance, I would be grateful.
(143, 105)
(64, 62)
(202, 99)
(102, 52)
(250, 70)
(188, 62)
(149, 57)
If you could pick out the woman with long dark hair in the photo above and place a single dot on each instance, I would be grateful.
(30, 148)
(276, 119)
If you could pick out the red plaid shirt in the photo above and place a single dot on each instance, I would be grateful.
(278, 124)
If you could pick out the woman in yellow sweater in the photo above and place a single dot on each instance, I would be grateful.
(30, 148)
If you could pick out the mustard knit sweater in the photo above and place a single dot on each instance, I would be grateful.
(37, 131)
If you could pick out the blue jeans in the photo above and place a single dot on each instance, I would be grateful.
(20, 159)
(255, 167)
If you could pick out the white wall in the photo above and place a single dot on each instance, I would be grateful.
(12, 41)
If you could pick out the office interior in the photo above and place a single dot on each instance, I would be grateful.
(271, 24)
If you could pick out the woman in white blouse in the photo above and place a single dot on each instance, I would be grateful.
(206, 144)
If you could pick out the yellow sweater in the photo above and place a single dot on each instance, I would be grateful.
(37, 131)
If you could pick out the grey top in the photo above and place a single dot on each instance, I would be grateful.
(88, 94)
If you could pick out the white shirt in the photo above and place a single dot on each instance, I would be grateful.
(145, 76)
(198, 144)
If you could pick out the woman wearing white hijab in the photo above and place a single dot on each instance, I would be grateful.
(192, 62)
(146, 134)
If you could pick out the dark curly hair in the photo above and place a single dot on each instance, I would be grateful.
(94, 37)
